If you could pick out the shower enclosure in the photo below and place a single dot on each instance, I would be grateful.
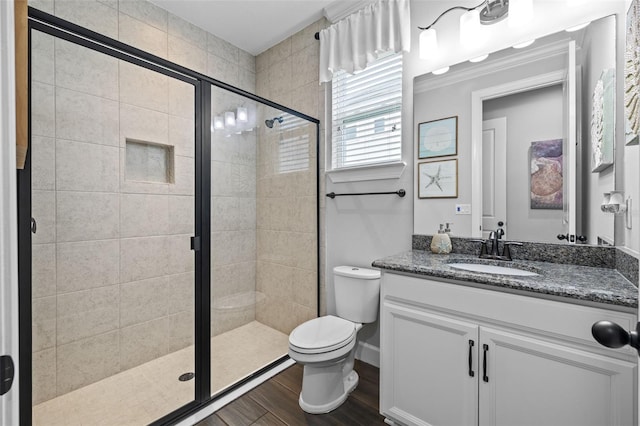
(168, 232)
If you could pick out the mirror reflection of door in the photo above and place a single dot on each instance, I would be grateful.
(527, 166)
(494, 176)
(569, 91)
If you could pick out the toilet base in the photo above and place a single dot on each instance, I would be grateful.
(350, 383)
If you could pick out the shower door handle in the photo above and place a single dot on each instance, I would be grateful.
(34, 226)
(7, 372)
(195, 243)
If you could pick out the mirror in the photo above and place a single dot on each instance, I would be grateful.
(523, 140)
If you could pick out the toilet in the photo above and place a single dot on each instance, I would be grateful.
(326, 346)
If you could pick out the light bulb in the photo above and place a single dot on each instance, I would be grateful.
(479, 58)
(577, 27)
(520, 13)
(241, 115)
(428, 43)
(229, 119)
(470, 28)
(218, 122)
(523, 45)
(440, 71)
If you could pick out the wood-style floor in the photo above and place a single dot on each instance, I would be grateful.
(275, 403)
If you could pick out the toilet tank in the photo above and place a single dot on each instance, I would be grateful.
(357, 292)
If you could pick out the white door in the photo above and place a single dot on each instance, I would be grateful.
(429, 368)
(494, 175)
(530, 382)
(9, 414)
(569, 144)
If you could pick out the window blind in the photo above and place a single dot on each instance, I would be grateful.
(293, 146)
(366, 114)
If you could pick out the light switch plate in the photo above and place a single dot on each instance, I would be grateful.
(463, 208)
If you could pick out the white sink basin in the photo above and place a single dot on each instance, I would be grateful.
(492, 269)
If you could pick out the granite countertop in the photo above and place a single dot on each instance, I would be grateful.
(578, 283)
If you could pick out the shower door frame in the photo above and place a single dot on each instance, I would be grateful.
(200, 242)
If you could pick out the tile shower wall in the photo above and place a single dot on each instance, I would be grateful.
(286, 268)
(112, 269)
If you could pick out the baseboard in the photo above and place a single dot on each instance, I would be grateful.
(368, 353)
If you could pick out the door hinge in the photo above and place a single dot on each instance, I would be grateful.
(195, 243)
(7, 372)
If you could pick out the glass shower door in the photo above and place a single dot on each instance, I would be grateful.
(113, 155)
(264, 247)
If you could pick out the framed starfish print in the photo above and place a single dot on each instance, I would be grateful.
(438, 179)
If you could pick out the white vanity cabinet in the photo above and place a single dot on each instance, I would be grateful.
(458, 355)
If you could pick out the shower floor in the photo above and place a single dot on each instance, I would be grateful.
(151, 390)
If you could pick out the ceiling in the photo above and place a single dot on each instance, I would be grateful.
(252, 25)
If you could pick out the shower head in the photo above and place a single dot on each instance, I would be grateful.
(269, 122)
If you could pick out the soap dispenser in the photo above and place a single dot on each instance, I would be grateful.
(441, 243)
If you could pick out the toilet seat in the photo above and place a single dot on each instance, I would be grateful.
(323, 334)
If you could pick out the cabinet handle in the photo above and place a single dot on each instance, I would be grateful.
(471, 373)
(485, 349)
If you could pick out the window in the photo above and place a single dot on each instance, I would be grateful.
(366, 114)
(293, 146)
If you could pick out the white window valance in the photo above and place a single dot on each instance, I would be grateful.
(352, 43)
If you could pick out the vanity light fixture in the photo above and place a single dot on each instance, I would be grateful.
(479, 58)
(486, 13)
(577, 27)
(440, 71)
(523, 45)
(236, 120)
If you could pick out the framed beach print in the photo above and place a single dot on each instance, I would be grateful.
(632, 75)
(438, 138)
(438, 179)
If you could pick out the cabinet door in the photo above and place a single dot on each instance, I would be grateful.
(425, 374)
(533, 382)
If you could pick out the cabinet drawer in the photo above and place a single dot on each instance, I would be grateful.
(564, 321)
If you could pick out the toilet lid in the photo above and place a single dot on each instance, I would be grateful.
(322, 333)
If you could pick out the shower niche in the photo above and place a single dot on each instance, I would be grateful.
(149, 162)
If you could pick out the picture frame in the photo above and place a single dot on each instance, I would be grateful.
(438, 138)
(632, 74)
(438, 179)
(546, 190)
(603, 122)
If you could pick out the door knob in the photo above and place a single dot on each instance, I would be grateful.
(611, 335)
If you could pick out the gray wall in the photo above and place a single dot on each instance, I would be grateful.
(531, 116)
(596, 56)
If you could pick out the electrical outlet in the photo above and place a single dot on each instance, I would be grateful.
(463, 208)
